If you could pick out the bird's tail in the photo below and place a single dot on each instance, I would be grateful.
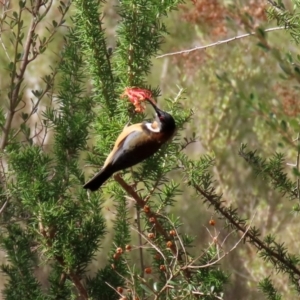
(95, 183)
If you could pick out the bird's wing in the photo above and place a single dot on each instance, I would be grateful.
(125, 134)
(127, 140)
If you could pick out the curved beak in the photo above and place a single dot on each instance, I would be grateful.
(158, 111)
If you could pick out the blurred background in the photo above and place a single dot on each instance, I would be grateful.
(241, 92)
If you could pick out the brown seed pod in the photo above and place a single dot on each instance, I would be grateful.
(172, 232)
(151, 235)
(148, 270)
(162, 268)
(146, 208)
(169, 244)
(119, 250)
(212, 222)
(128, 248)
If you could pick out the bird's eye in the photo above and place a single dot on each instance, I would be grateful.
(161, 118)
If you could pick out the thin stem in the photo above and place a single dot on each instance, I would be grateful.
(138, 220)
(17, 79)
(297, 165)
(140, 202)
(3, 206)
(273, 3)
(219, 42)
(260, 245)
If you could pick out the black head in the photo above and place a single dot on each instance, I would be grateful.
(166, 120)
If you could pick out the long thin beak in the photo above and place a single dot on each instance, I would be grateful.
(158, 111)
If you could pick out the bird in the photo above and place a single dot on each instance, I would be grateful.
(135, 143)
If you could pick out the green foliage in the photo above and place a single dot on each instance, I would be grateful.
(72, 112)
(49, 220)
(18, 245)
(272, 170)
(283, 16)
(268, 289)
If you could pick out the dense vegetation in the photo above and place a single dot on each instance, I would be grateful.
(213, 215)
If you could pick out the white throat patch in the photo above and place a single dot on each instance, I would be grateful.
(153, 128)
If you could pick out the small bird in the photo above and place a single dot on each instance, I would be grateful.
(135, 143)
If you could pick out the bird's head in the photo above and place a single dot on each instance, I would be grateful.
(167, 122)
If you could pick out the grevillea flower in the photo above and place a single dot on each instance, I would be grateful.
(136, 96)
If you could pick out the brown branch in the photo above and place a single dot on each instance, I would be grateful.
(49, 86)
(297, 165)
(140, 202)
(82, 291)
(17, 78)
(73, 276)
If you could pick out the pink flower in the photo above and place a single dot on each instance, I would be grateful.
(136, 96)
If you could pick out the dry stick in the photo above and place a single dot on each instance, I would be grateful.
(120, 294)
(138, 219)
(34, 108)
(140, 202)
(3, 206)
(203, 294)
(297, 165)
(191, 266)
(219, 42)
(256, 241)
(17, 83)
(76, 280)
(26, 60)
(177, 235)
(149, 242)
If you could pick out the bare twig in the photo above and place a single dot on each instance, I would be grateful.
(205, 294)
(219, 42)
(81, 289)
(191, 266)
(4, 48)
(297, 165)
(140, 202)
(3, 206)
(35, 106)
(17, 77)
(150, 242)
(177, 236)
(258, 243)
(138, 220)
(114, 289)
